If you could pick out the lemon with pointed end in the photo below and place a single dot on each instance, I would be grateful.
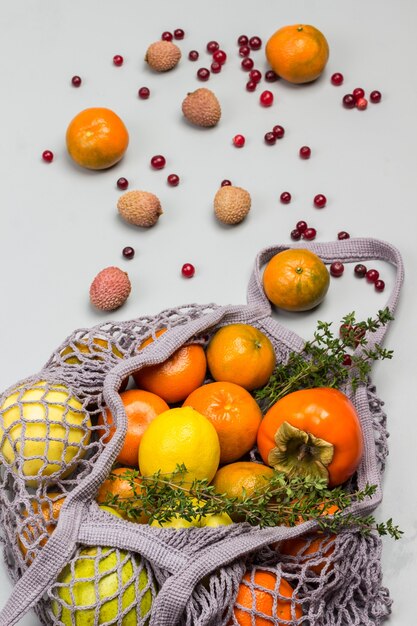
(180, 436)
(44, 430)
(89, 589)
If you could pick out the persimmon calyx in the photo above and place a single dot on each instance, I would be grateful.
(299, 453)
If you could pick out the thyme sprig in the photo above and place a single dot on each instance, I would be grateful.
(286, 501)
(328, 360)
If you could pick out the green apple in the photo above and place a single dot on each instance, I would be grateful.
(88, 588)
(45, 430)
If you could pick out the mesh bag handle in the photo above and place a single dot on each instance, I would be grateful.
(353, 250)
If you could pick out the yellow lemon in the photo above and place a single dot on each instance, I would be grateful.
(98, 579)
(43, 430)
(180, 436)
(201, 521)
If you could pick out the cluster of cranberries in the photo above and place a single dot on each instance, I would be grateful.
(276, 133)
(356, 99)
(219, 59)
(303, 231)
(178, 33)
(372, 276)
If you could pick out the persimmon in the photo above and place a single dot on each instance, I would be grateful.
(312, 432)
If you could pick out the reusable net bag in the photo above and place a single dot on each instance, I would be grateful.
(95, 568)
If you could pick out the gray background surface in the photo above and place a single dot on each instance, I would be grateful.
(59, 224)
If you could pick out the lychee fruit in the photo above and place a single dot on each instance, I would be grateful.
(140, 208)
(202, 108)
(231, 204)
(110, 289)
(162, 56)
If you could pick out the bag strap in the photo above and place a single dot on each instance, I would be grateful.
(353, 250)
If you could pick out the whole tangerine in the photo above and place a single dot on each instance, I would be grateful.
(256, 593)
(97, 138)
(141, 408)
(298, 53)
(241, 354)
(234, 414)
(296, 280)
(173, 379)
(121, 487)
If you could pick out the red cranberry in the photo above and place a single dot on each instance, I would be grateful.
(358, 93)
(255, 75)
(337, 268)
(173, 180)
(285, 198)
(128, 252)
(193, 55)
(305, 152)
(48, 156)
(320, 201)
(361, 104)
(278, 131)
(271, 76)
(247, 64)
(76, 81)
(243, 40)
(360, 270)
(343, 235)
(225, 183)
(251, 85)
(179, 33)
(375, 96)
(239, 141)
(255, 43)
(301, 226)
(266, 98)
(203, 73)
(118, 60)
(379, 285)
(188, 270)
(122, 183)
(347, 360)
(244, 51)
(158, 162)
(295, 234)
(144, 93)
(216, 67)
(212, 46)
(337, 79)
(349, 101)
(167, 36)
(270, 138)
(309, 234)
(220, 56)
(372, 276)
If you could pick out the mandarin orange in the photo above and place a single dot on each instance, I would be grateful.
(256, 593)
(97, 138)
(234, 414)
(296, 280)
(35, 534)
(118, 488)
(241, 354)
(297, 53)
(141, 408)
(174, 379)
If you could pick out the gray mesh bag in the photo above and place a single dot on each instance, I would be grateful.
(98, 569)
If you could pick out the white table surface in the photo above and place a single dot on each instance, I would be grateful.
(59, 224)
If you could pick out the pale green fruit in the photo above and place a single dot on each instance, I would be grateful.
(80, 593)
(174, 522)
(47, 428)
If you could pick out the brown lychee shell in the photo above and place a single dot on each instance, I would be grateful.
(110, 289)
(202, 108)
(231, 204)
(140, 208)
(162, 56)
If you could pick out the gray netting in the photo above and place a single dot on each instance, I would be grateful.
(77, 564)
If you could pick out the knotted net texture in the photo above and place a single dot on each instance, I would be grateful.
(95, 568)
